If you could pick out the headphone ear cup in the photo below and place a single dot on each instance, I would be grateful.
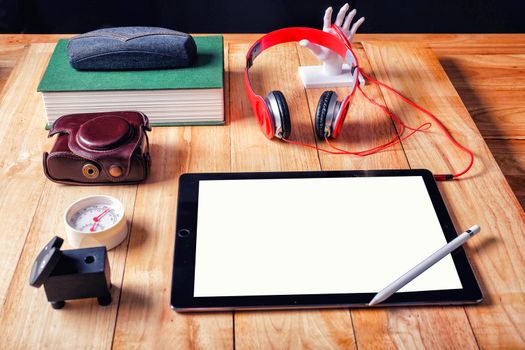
(321, 114)
(279, 109)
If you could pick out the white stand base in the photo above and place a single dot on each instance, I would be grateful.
(315, 77)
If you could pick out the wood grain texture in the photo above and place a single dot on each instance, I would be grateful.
(21, 180)
(490, 71)
(145, 319)
(31, 207)
(441, 43)
(26, 306)
(494, 98)
(510, 155)
(483, 197)
(493, 90)
(497, 111)
(413, 328)
(251, 151)
(461, 44)
(9, 56)
(366, 127)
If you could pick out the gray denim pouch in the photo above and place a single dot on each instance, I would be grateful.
(131, 48)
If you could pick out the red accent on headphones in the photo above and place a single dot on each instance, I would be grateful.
(272, 111)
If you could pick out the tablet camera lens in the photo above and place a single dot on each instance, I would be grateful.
(184, 233)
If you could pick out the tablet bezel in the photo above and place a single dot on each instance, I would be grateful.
(182, 291)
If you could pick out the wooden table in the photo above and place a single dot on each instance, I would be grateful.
(487, 71)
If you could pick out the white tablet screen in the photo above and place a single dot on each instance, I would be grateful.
(316, 236)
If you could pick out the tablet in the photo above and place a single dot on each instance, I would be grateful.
(312, 240)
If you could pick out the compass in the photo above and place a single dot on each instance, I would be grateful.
(95, 221)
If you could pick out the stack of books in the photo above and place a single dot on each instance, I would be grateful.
(181, 96)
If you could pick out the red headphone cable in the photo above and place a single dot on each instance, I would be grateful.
(400, 125)
(438, 123)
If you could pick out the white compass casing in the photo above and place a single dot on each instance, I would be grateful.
(110, 230)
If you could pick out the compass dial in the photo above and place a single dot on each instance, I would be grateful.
(94, 221)
(94, 218)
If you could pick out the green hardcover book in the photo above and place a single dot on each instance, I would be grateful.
(182, 96)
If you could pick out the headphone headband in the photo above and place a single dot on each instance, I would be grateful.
(273, 117)
(294, 34)
(281, 36)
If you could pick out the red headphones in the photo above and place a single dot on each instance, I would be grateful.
(272, 111)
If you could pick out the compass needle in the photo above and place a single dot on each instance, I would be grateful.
(96, 220)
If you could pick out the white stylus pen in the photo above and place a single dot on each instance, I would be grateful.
(424, 265)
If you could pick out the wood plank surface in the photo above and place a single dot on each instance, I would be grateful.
(395, 327)
(27, 191)
(489, 71)
(440, 43)
(21, 183)
(483, 197)
(493, 90)
(510, 155)
(251, 151)
(9, 56)
(497, 111)
(145, 318)
(365, 126)
(488, 74)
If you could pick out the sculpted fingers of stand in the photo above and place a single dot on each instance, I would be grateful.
(331, 61)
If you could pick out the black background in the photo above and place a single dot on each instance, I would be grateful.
(256, 16)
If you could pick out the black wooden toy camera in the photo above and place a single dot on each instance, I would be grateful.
(72, 274)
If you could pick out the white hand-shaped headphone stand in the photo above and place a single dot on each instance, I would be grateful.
(333, 72)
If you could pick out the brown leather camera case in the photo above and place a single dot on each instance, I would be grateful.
(108, 148)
